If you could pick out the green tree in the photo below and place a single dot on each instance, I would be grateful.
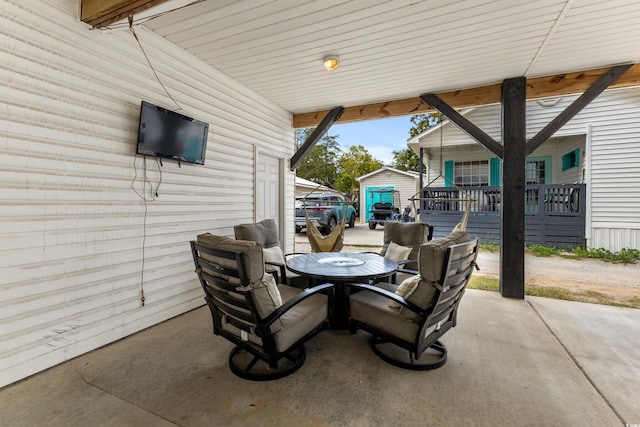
(320, 165)
(422, 122)
(406, 160)
(353, 163)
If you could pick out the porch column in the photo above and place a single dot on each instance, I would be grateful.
(513, 188)
(421, 168)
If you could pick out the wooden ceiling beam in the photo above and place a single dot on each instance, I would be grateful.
(101, 13)
(537, 87)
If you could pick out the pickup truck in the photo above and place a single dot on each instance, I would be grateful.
(324, 209)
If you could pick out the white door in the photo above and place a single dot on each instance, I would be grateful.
(268, 188)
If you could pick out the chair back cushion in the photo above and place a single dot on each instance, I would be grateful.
(252, 252)
(264, 291)
(432, 255)
(264, 232)
(410, 234)
(431, 263)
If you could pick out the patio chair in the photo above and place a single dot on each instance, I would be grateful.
(407, 320)
(266, 234)
(401, 243)
(268, 323)
(408, 234)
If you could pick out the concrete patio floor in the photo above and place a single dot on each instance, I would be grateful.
(536, 362)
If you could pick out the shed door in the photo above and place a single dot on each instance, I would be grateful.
(372, 198)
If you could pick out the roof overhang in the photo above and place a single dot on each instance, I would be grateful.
(414, 175)
(392, 51)
(537, 87)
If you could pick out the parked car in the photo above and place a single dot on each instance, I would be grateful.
(324, 209)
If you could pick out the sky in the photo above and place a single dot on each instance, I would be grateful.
(379, 137)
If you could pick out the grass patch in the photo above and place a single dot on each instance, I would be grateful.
(624, 256)
(543, 251)
(486, 283)
(489, 247)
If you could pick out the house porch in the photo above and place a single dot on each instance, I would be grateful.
(555, 214)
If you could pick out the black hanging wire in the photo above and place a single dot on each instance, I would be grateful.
(145, 199)
(152, 194)
(463, 196)
(135, 36)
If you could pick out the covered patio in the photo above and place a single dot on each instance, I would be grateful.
(92, 255)
(511, 362)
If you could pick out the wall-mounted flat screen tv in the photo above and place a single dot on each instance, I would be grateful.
(167, 134)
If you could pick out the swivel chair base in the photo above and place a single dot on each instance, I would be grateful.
(250, 367)
(433, 358)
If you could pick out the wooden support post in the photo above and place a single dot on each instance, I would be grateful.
(315, 136)
(513, 188)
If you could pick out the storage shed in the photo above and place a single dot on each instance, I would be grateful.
(387, 178)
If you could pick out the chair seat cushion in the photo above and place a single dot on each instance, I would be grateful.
(374, 310)
(301, 319)
(295, 323)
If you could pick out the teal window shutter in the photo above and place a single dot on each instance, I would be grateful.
(571, 160)
(494, 171)
(448, 173)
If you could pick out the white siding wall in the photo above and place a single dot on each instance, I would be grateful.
(614, 118)
(72, 228)
(615, 170)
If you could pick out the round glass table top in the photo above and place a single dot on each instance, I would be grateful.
(341, 261)
(342, 266)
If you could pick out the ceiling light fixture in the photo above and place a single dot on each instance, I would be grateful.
(331, 62)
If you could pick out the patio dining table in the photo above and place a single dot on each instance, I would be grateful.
(339, 269)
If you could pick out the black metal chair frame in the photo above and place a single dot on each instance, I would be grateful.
(442, 312)
(245, 357)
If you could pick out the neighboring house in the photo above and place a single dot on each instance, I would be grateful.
(406, 183)
(601, 139)
(306, 186)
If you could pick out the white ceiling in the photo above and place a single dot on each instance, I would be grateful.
(400, 48)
